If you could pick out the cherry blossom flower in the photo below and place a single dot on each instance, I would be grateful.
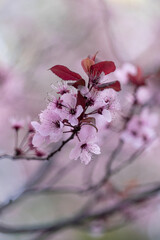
(51, 126)
(71, 111)
(86, 146)
(100, 110)
(62, 88)
(56, 105)
(150, 92)
(37, 140)
(131, 74)
(109, 104)
(143, 94)
(77, 107)
(123, 73)
(91, 96)
(140, 129)
(104, 104)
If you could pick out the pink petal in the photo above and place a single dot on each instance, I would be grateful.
(85, 156)
(75, 152)
(107, 115)
(94, 148)
(38, 140)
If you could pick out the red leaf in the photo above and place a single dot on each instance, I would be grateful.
(86, 64)
(64, 73)
(81, 100)
(105, 66)
(94, 57)
(114, 85)
(137, 79)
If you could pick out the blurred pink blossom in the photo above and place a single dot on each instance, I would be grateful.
(86, 146)
(141, 128)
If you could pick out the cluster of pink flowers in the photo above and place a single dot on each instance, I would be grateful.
(140, 129)
(130, 74)
(80, 108)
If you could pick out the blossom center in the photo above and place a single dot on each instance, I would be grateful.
(63, 91)
(89, 102)
(72, 111)
(94, 79)
(83, 146)
(100, 110)
(57, 124)
(134, 133)
(59, 104)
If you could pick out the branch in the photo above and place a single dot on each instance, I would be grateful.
(23, 157)
(41, 172)
(80, 219)
(73, 189)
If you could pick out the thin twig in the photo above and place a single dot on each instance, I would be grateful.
(80, 219)
(41, 172)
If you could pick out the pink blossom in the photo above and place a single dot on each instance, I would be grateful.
(110, 101)
(143, 94)
(37, 139)
(51, 126)
(140, 129)
(91, 96)
(85, 146)
(56, 105)
(123, 73)
(78, 107)
(71, 111)
(62, 88)
(105, 106)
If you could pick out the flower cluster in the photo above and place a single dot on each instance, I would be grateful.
(140, 129)
(130, 74)
(80, 108)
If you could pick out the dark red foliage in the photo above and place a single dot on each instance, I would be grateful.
(105, 66)
(114, 85)
(81, 100)
(138, 79)
(64, 73)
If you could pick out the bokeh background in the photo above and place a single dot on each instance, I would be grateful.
(34, 36)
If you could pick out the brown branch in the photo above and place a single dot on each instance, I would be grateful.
(75, 189)
(48, 157)
(41, 172)
(80, 219)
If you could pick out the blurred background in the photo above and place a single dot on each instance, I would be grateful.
(34, 36)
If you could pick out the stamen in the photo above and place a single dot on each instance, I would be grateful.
(72, 111)
(83, 146)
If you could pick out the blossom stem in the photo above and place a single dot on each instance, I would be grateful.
(24, 139)
(16, 138)
(59, 149)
